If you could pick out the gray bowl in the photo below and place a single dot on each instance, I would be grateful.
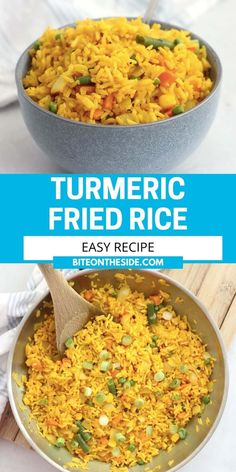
(184, 302)
(93, 148)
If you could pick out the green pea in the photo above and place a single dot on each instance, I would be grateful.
(122, 380)
(206, 400)
(131, 447)
(37, 45)
(43, 401)
(156, 81)
(60, 442)
(140, 462)
(69, 343)
(126, 340)
(58, 36)
(175, 383)
(52, 107)
(182, 433)
(177, 110)
(151, 314)
(85, 80)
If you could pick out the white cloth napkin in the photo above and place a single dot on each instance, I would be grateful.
(13, 307)
(22, 21)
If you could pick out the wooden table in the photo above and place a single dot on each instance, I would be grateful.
(215, 285)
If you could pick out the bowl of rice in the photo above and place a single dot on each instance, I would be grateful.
(142, 387)
(118, 95)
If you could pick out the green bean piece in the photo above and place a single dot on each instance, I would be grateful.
(177, 41)
(156, 43)
(82, 443)
(153, 345)
(52, 107)
(151, 314)
(58, 36)
(82, 431)
(140, 462)
(182, 433)
(132, 382)
(177, 110)
(84, 80)
(37, 45)
(112, 387)
(154, 338)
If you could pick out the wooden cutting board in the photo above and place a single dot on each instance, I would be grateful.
(215, 285)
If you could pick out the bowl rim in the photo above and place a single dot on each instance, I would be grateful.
(165, 25)
(43, 293)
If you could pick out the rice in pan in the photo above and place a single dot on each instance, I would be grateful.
(128, 384)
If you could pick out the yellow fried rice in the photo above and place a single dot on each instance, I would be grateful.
(101, 72)
(135, 376)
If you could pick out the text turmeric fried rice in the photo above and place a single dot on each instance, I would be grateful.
(117, 71)
(132, 378)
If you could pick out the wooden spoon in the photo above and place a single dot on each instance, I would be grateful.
(150, 10)
(71, 311)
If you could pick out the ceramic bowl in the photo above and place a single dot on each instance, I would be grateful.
(199, 319)
(94, 148)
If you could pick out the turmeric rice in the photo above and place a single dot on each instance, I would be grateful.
(133, 377)
(117, 71)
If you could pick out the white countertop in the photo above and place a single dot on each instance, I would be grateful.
(20, 154)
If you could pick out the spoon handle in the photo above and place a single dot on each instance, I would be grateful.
(150, 10)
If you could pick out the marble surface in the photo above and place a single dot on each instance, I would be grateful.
(20, 154)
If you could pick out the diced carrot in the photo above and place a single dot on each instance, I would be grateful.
(103, 441)
(37, 366)
(109, 343)
(97, 114)
(116, 420)
(193, 49)
(108, 101)
(143, 436)
(169, 112)
(167, 78)
(157, 299)
(89, 88)
(114, 373)
(88, 295)
(52, 422)
(66, 361)
(161, 60)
